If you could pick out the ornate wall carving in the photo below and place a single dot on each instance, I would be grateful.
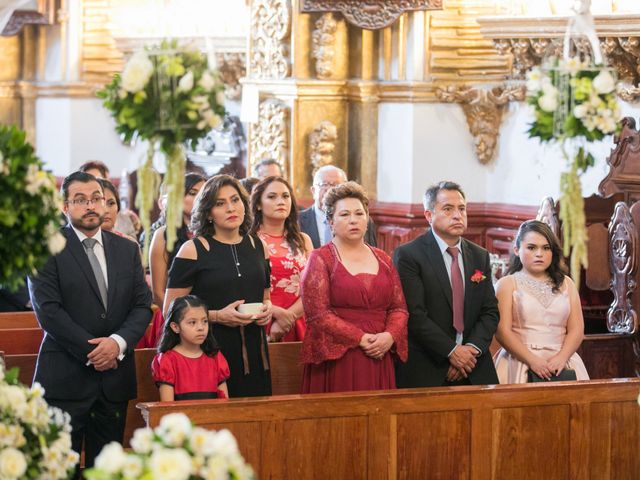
(483, 109)
(270, 135)
(623, 244)
(232, 67)
(270, 30)
(322, 144)
(323, 48)
(369, 14)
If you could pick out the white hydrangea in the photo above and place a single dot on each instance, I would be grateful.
(111, 459)
(174, 429)
(548, 103)
(202, 442)
(133, 466)
(55, 240)
(216, 469)
(225, 444)
(137, 72)
(170, 464)
(36, 180)
(12, 398)
(13, 464)
(604, 82)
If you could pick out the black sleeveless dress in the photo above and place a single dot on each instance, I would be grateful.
(216, 280)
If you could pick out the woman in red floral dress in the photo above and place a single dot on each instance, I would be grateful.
(275, 220)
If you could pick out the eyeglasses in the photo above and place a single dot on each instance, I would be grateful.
(85, 202)
(326, 185)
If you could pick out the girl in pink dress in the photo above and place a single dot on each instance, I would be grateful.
(189, 365)
(354, 305)
(275, 220)
(541, 324)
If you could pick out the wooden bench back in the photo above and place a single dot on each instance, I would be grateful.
(14, 341)
(18, 320)
(549, 431)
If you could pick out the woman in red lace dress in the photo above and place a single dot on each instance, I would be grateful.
(275, 221)
(354, 305)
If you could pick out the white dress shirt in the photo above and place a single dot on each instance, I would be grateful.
(98, 250)
(447, 263)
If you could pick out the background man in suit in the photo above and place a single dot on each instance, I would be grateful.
(453, 311)
(267, 168)
(93, 305)
(312, 220)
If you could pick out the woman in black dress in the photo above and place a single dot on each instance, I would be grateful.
(226, 267)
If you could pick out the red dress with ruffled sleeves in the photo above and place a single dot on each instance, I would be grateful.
(339, 308)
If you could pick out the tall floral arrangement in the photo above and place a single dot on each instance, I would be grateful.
(30, 209)
(574, 103)
(174, 450)
(168, 96)
(35, 439)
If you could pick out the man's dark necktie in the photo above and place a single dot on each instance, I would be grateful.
(95, 266)
(457, 289)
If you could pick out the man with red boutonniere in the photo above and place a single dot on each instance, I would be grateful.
(453, 311)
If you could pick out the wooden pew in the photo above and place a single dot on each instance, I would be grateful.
(573, 430)
(18, 320)
(15, 341)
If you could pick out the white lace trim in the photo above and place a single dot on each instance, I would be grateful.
(542, 290)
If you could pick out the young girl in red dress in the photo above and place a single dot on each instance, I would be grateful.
(189, 365)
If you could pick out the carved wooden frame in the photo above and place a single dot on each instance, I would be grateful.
(369, 14)
(44, 15)
(623, 245)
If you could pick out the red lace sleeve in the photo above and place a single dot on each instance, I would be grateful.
(328, 336)
(397, 314)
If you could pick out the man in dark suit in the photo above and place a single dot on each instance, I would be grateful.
(453, 312)
(312, 220)
(93, 305)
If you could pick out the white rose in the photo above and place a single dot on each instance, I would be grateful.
(186, 82)
(56, 242)
(604, 82)
(37, 390)
(533, 79)
(216, 468)
(12, 464)
(174, 428)
(12, 397)
(133, 466)
(170, 464)
(548, 88)
(111, 459)
(207, 81)
(142, 440)
(548, 103)
(202, 442)
(580, 111)
(137, 72)
(224, 443)
(573, 65)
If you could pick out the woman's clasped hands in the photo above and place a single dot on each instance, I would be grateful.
(376, 345)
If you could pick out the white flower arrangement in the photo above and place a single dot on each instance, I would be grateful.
(35, 439)
(574, 103)
(174, 450)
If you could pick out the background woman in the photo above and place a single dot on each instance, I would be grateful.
(226, 267)
(159, 258)
(353, 303)
(112, 208)
(541, 324)
(275, 220)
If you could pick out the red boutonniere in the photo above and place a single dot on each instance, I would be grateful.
(478, 276)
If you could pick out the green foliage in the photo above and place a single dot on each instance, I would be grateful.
(30, 209)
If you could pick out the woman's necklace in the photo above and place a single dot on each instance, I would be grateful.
(236, 259)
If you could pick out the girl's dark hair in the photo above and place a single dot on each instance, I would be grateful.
(291, 228)
(107, 185)
(201, 225)
(175, 315)
(557, 269)
(190, 180)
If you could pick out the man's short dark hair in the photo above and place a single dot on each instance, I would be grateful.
(95, 165)
(430, 196)
(76, 177)
(265, 163)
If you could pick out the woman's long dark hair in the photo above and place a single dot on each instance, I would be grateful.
(206, 200)
(175, 315)
(291, 228)
(557, 269)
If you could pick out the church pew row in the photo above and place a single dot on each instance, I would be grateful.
(18, 320)
(286, 373)
(573, 430)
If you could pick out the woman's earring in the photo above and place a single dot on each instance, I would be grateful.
(210, 221)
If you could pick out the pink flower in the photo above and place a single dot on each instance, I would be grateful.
(478, 276)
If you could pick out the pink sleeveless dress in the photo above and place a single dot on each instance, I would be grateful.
(540, 320)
